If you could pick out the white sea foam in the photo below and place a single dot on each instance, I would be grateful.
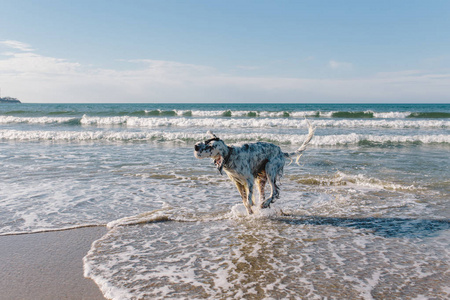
(284, 258)
(164, 136)
(159, 215)
(260, 122)
(353, 138)
(391, 115)
(395, 124)
(152, 122)
(253, 113)
(78, 136)
(35, 120)
(360, 181)
(278, 114)
(239, 211)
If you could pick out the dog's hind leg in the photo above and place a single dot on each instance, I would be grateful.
(273, 192)
(261, 182)
(271, 174)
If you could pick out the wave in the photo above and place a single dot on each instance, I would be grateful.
(352, 114)
(57, 229)
(369, 114)
(387, 115)
(429, 115)
(159, 112)
(61, 112)
(163, 136)
(314, 114)
(178, 214)
(39, 120)
(248, 113)
(237, 113)
(340, 179)
(308, 114)
(187, 122)
(259, 123)
(379, 140)
(15, 112)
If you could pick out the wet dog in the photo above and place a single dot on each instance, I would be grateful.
(253, 163)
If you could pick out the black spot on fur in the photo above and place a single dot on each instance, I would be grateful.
(260, 170)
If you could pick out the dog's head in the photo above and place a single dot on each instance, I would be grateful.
(213, 148)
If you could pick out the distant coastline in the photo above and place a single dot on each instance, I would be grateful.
(9, 100)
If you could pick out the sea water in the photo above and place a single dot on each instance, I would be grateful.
(364, 216)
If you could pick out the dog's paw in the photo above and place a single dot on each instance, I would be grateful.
(265, 204)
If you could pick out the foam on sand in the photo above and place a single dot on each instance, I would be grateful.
(260, 258)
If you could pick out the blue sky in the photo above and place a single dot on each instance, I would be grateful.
(225, 51)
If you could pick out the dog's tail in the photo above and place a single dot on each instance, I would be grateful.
(299, 151)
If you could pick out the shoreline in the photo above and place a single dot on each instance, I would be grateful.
(48, 265)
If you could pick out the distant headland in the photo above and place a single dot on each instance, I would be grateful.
(9, 100)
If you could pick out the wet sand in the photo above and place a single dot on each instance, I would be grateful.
(47, 265)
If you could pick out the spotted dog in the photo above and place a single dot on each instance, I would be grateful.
(253, 163)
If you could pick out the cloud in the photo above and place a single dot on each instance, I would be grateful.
(398, 74)
(26, 62)
(32, 77)
(16, 45)
(339, 64)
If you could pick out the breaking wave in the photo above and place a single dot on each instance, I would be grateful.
(352, 114)
(187, 122)
(259, 122)
(440, 115)
(297, 114)
(341, 179)
(40, 120)
(234, 113)
(163, 136)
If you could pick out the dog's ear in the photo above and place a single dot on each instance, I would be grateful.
(212, 134)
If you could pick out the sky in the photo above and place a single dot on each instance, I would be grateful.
(225, 51)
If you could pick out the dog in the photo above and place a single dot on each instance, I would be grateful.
(253, 163)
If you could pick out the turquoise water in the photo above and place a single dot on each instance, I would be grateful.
(141, 109)
(367, 211)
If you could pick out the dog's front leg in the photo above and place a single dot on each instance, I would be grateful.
(242, 188)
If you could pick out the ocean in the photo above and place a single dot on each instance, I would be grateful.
(366, 214)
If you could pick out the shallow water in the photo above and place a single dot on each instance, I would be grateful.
(365, 215)
(274, 258)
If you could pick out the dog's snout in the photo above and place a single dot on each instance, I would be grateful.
(196, 147)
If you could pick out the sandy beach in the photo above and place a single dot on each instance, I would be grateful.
(47, 265)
